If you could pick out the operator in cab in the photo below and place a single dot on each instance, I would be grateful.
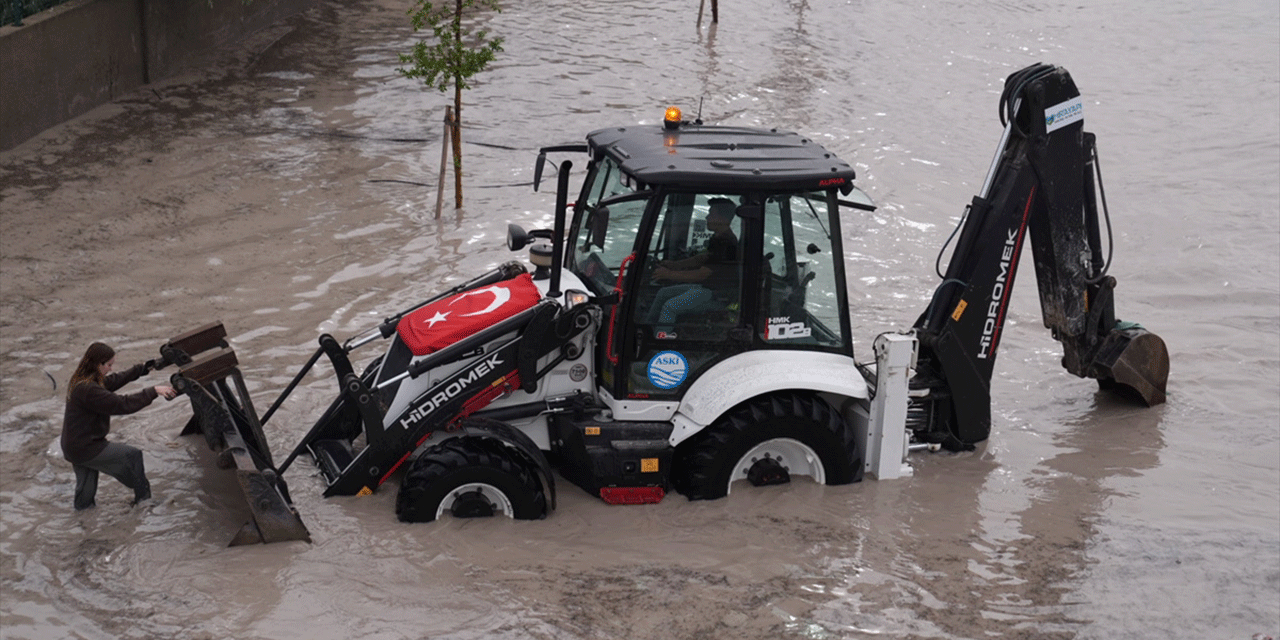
(700, 275)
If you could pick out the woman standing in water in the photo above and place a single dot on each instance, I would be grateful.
(91, 401)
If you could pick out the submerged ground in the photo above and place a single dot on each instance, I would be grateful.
(284, 190)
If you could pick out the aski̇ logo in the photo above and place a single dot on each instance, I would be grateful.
(668, 369)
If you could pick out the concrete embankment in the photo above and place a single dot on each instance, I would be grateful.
(65, 61)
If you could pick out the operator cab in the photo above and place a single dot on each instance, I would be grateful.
(719, 240)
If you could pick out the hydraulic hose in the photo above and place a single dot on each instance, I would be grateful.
(937, 262)
(1106, 216)
(1014, 85)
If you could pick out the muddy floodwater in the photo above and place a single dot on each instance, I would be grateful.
(285, 189)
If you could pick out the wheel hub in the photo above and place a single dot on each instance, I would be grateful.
(472, 504)
(767, 471)
(776, 461)
(476, 500)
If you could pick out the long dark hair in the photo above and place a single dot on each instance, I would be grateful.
(87, 371)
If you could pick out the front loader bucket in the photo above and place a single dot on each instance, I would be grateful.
(224, 415)
(1133, 362)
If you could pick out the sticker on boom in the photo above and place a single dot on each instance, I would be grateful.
(668, 369)
(1063, 114)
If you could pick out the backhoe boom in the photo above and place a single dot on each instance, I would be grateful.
(1041, 184)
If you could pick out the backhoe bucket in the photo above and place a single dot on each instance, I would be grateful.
(223, 414)
(1134, 362)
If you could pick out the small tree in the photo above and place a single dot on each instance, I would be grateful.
(455, 57)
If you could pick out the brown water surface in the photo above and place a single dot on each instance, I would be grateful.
(282, 190)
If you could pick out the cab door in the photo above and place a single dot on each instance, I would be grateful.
(602, 253)
(684, 309)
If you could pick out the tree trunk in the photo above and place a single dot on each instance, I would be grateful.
(457, 115)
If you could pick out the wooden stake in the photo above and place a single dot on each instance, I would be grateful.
(445, 140)
(457, 157)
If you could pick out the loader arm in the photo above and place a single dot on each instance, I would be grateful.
(1041, 184)
(494, 369)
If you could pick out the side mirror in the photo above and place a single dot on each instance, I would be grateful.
(517, 237)
(537, 169)
(597, 226)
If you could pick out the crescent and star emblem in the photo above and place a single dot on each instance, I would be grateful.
(438, 317)
(500, 297)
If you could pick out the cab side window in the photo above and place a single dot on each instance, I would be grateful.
(800, 301)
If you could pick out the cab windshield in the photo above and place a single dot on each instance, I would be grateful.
(604, 233)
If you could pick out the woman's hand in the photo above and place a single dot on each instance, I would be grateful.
(165, 391)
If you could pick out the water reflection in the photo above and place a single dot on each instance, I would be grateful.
(993, 546)
(1068, 494)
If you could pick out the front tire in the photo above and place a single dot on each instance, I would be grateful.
(469, 477)
(766, 441)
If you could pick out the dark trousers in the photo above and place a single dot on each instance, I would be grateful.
(120, 461)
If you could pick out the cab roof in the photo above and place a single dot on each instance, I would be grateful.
(707, 157)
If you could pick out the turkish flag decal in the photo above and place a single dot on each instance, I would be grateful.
(451, 319)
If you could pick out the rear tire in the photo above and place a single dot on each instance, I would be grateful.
(767, 440)
(470, 477)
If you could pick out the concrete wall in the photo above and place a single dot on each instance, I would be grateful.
(76, 56)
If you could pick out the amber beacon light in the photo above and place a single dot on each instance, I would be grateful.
(672, 118)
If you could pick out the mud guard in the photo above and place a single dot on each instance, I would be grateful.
(517, 440)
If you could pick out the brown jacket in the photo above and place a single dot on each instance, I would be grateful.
(89, 410)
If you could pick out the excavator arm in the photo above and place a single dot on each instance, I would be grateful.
(1044, 183)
